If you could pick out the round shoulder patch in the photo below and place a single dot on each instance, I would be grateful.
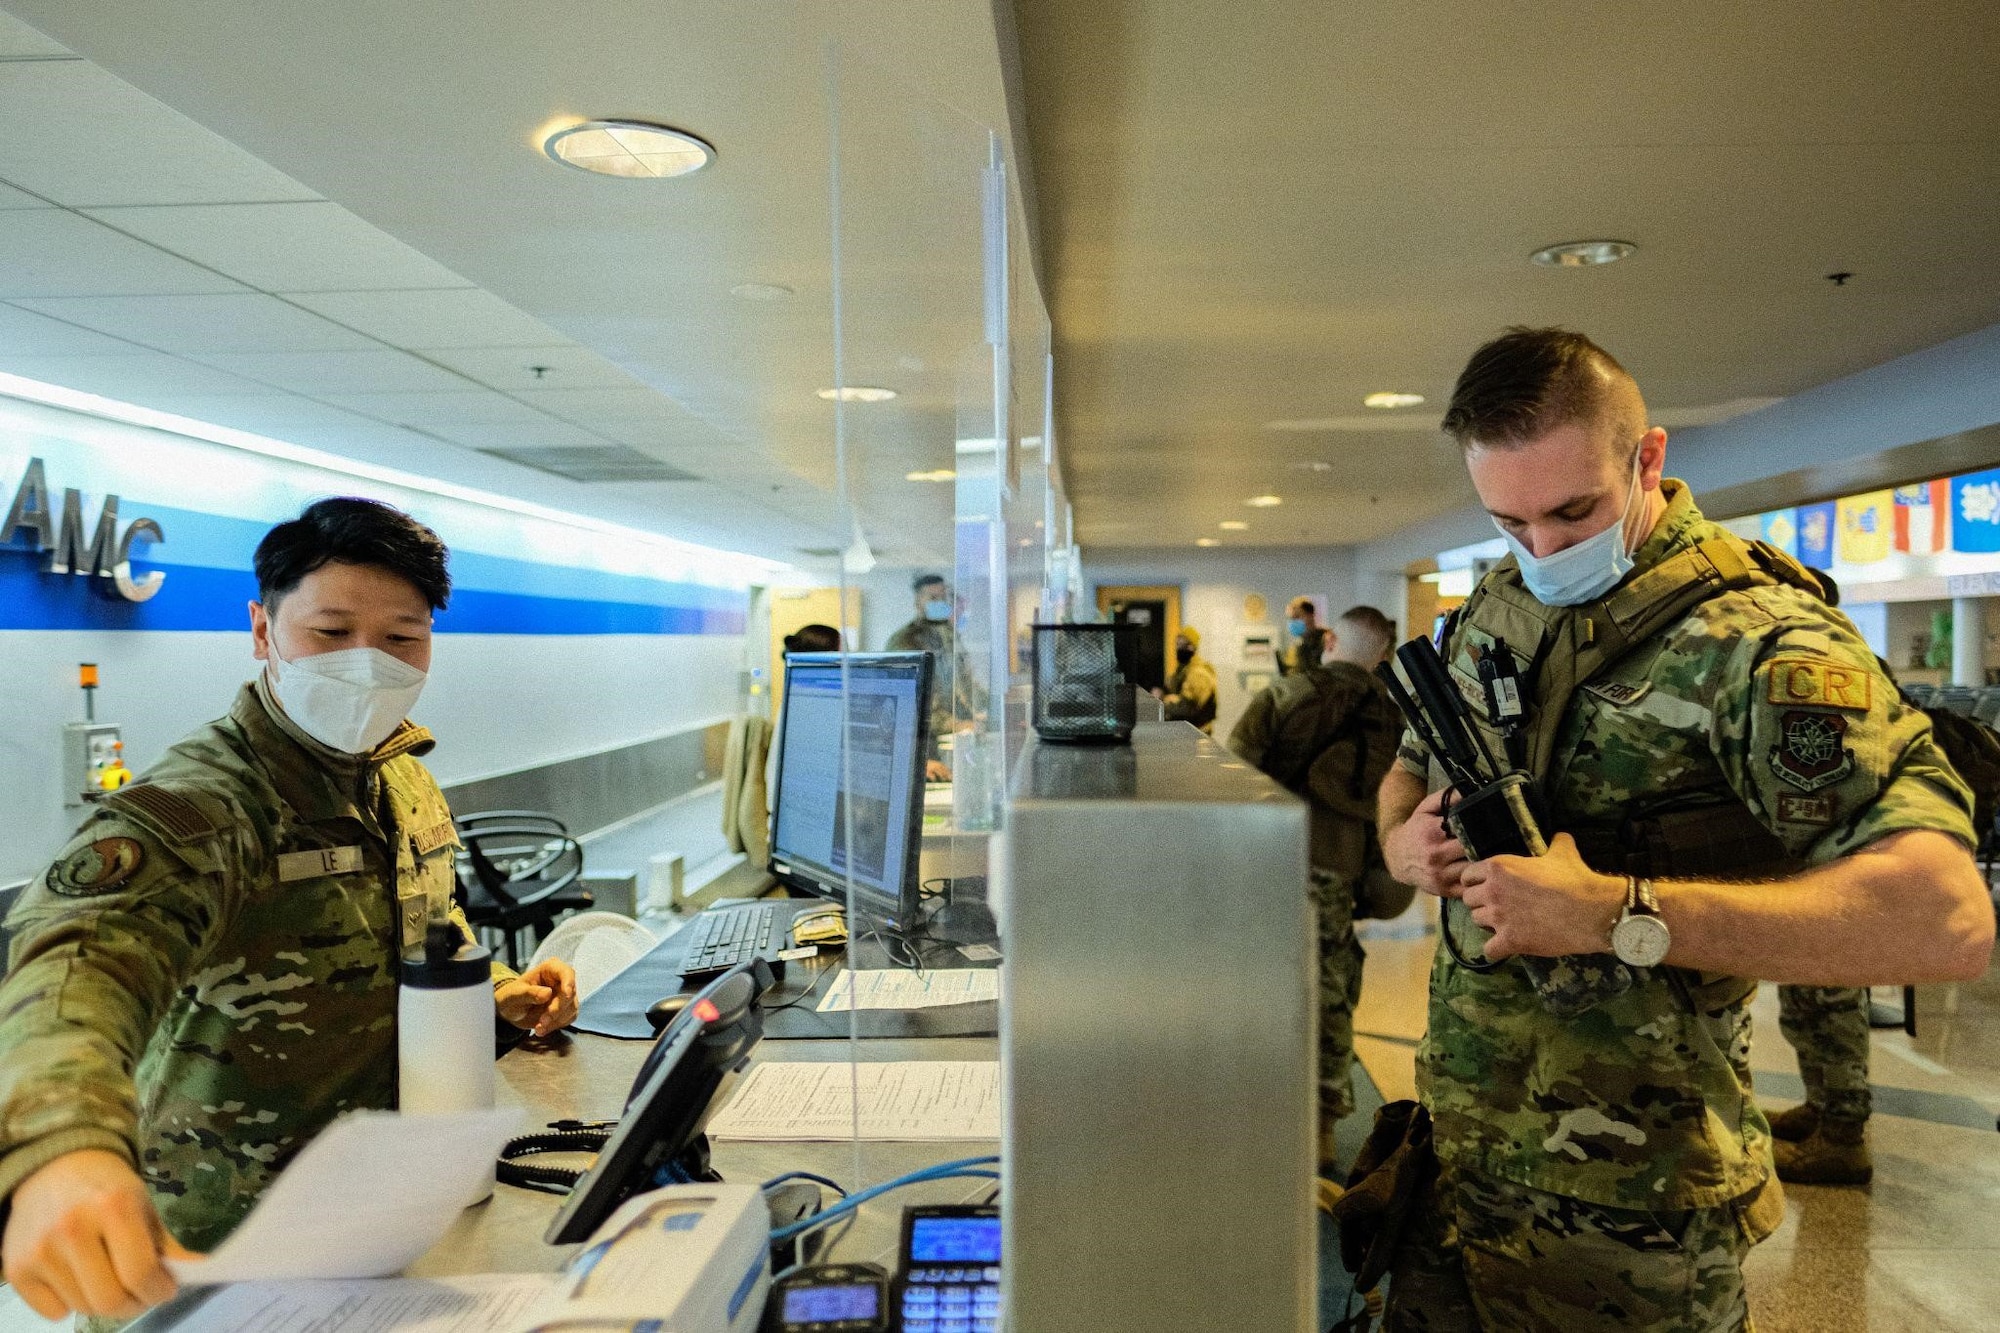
(102, 866)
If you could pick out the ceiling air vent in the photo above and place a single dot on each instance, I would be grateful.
(819, 552)
(611, 462)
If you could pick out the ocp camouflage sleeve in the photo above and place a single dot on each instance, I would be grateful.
(102, 941)
(1250, 738)
(1821, 747)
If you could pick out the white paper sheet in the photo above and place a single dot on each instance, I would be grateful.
(916, 1100)
(900, 988)
(407, 1305)
(364, 1199)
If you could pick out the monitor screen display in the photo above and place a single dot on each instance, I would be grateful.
(859, 814)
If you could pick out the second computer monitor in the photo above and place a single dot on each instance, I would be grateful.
(853, 814)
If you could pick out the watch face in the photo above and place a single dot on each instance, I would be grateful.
(1641, 941)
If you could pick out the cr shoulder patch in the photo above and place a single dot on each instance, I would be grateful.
(1794, 809)
(99, 868)
(1814, 682)
(1811, 751)
(1620, 692)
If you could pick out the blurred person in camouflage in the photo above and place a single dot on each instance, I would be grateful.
(1731, 786)
(1327, 732)
(206, 975)
(1190, 691)
(931, 632)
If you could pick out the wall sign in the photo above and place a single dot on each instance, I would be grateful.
(106, 554)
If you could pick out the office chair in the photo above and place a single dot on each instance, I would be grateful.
(517, 871)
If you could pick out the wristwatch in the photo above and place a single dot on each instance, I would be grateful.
(1641, 937)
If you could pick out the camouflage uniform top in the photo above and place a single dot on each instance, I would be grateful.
(1194, 686)
(206, 976)
(936, 638)
(1328, 733)
(1763, 699)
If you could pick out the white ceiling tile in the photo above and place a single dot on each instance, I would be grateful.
(431, 411)
(524, 435)
(684, 432)
(47, 252)
(13, 198)
(318, 373)
(588, 407)
(24, 333)
(84, 138)
(19, 41)
(186, 325)
(460, 317)
(314, 246)
(138, 378)
(281, 416)
(567, 366)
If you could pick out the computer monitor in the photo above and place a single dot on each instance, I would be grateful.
(857, 816)
(659, 1140)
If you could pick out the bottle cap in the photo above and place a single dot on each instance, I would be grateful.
(449, 960)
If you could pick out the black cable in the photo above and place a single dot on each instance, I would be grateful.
(819, 973)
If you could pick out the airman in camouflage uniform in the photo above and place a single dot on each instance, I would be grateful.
(1328, 732)
(1683, 705)
(231, 925)
(1824, 1140)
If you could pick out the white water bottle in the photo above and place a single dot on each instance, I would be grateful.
(444, 1029)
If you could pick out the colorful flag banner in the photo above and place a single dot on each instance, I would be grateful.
(1975, 511)
(1816, 534)
(1923, 515)
(1866, 525)
(1781, 529)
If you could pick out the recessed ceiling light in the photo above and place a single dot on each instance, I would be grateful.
(760, 291)
(1265, 501)
(1233, 525)
(1207, 541)
(629, 148)
(857, 393)
(941, 474)
(1388, 400)
(1583, 254)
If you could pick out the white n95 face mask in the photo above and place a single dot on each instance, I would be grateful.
(348, 700)
(1583, 572)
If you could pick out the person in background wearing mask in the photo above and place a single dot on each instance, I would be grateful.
(1301, 624)
(206, 976)
(1191, 686)
(931, 633)
(1730, 792)
(1327, 732)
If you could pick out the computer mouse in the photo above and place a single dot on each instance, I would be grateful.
(668, 1008)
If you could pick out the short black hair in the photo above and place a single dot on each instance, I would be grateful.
(923, 581)
(1526, 383)
(813, 639)
(352, 531)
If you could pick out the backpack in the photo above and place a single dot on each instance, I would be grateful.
(1974, 750)
(1335, 744)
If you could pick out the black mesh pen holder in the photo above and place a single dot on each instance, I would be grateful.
(1082, 694)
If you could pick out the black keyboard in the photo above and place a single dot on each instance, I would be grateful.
(722, 937)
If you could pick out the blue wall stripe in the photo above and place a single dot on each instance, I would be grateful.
(202, 598)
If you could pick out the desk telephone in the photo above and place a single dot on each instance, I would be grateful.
(948, 1281)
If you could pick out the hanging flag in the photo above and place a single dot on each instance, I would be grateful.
(1866, 524)
(1921, 514)
(1975, 511)
(1816, 531)
(1781, 528)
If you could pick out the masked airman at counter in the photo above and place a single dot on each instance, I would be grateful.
(206, 976)
(1733, 790)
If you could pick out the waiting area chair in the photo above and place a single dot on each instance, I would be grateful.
(518, 871)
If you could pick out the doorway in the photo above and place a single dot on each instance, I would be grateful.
(1156, 612)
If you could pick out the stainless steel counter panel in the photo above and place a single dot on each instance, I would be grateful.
(1158, 1042)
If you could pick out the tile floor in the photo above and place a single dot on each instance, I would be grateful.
(1917, 1250)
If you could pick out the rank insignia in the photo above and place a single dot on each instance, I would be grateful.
(99, 868)
(1811, 751)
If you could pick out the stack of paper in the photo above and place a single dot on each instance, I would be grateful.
(916, 1100)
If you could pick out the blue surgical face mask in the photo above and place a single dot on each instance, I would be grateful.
(1583, 572)
(937, 610)
(1297, 628)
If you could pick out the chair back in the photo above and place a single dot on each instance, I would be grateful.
(516, 858)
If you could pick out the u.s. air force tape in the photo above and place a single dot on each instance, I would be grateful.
(318, 862)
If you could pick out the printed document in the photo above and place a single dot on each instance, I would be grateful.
(407, 1305)
(365, 1199)
(910, 1100)
(900, 988)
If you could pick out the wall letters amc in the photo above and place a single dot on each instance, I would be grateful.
(106, 555)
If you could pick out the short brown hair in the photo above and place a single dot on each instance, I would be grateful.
(1528, 382)
(1376, 631)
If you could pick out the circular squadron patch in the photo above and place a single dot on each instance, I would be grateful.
(99, 868)
(1811, 752)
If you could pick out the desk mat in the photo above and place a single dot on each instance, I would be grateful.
(618, 1008)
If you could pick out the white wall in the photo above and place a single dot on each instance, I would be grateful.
(1214, 584)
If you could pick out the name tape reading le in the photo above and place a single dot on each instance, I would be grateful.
(320, 861)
